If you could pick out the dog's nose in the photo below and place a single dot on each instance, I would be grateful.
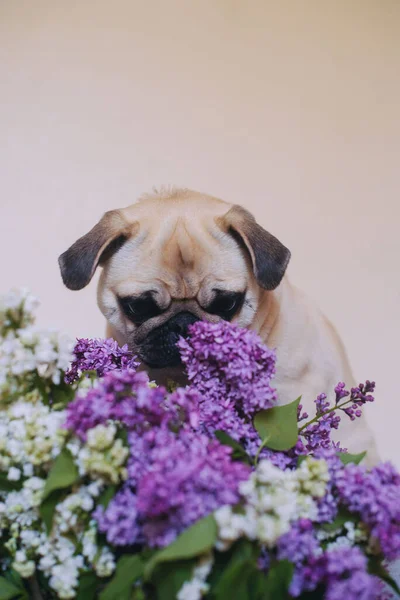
(179, 324)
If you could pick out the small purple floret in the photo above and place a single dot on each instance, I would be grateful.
(101, 356)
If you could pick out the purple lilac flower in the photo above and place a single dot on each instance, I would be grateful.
(125, 396)
(144, 447)
(119, 521)
(186, 480)
(347, 577)
(101, 356)
(299, 543)
(175, 474)
(341, 572)
(375, 496)
(359, 396)
(318, 434)
(178, 479)
(328, 504)
(232, 371)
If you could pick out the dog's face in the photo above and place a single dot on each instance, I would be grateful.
(170, 260)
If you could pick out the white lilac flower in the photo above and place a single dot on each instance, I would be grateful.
(101, 437)
(64, 577)
(23, 565)
(105, 564)
(61, 564)
(197, 587)
(69, 512)
(30, 435)
(17, 309)
(20, 507)
(89, 543)
(14, 474)
(25, 350)
(273, 499)
(104, 456)
(350, 535)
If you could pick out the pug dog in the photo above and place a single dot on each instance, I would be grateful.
(177, 256)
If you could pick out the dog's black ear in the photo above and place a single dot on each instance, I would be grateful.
(79, 262)
(268, 255)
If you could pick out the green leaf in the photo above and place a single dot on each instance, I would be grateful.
(168, 579)
(15, 578)
(9, 486)
(63, 474)
(62, 395)
(238, 451)
(129, 569)
(347, 458)
(106, 497)
(48, 507)
(8, 590)
(278, 580)
(87, 586)
(256, 585)
(138, 594)
(277, 426)
(375, 567)
(234, 580)
(196, 540)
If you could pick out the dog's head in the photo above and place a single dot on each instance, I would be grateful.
(170, 260)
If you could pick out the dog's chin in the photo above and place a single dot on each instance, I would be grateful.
(164, 375)
(169, 358)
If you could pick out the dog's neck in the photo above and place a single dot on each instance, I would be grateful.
(267, 317)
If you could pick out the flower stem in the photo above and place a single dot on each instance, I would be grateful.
(34, 588)
(315, 419)
(264, 443)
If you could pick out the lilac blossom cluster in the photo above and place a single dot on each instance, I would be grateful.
(340, 567)
(316, 433)
(338, 573)
(144, 464)
(358, 396)
(99, 355)
(374, 496)
(342, 572)
(176, 475)
(127, 397)
(231, 370)
(178, 472)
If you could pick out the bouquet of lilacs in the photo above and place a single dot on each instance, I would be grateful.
(112, 487)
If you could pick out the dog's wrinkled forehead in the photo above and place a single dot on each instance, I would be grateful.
(178, 251)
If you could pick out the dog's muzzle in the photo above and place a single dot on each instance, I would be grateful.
(159, 349)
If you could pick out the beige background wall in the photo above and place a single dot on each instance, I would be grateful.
(288, 107)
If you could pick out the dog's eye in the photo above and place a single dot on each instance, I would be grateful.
(139, 309)
(226, 304)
